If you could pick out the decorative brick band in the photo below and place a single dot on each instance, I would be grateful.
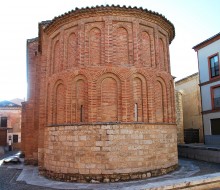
(105, 178)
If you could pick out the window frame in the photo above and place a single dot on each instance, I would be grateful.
(13, 138)
(2, 122)
(209, 66)
(212, 96)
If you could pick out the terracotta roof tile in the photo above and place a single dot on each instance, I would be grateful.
(107, 7)
(203, 43)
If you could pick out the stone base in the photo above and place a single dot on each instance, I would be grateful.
(31, 161)
(105, 178)
(109, 152)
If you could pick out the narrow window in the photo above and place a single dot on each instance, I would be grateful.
(136, 112)
(4, 122)
(81, 113)
(214, 66)
(216, 98)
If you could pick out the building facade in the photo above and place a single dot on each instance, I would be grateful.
(208, 60)
(10, 123)
(191, 105)
(101, 96)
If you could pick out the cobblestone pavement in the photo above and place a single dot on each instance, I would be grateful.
(188, 168)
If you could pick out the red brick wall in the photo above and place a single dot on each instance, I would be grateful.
(109, 100)
(95, 67)
(107, 81)
(3, 137)
(29, 126)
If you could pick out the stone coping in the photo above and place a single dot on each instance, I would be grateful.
(107, 123)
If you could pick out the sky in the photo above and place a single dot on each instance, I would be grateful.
(194, 22)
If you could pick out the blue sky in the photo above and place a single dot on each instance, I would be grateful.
(194, 21)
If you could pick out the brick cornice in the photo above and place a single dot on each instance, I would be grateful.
(145, 14)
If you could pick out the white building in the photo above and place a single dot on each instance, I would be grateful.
(208, 59)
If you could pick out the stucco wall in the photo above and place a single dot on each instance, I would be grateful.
(203, 55)
(207, 122)
(207, 83)
(191, 103)
(206, 94)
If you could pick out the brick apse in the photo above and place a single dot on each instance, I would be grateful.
(101, 96)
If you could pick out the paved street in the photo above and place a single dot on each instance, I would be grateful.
(8, 176)
(8, 181)
(9, 173)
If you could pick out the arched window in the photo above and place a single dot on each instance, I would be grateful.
(109, 100)
(162, 55)
(95, 46)
(122, 46)
(81, 99)
(159, 103)
(138, 99)
(56, 57)
(135, 112)
(145, 49)
(81, 113)
(60, 104)
(72, 50)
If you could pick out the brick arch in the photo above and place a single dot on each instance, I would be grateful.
(115, 71)
(59, 102)
(139, 97)
(169, 98)
(145, 49)
(72, 47)
(79, 99)
(121, 45)
(95, 46)
(167, 59)
(171, 102)
(49, 105)
(109, 98)
(87, 74)
(162, 54)
(56, 57)
(160, 100)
